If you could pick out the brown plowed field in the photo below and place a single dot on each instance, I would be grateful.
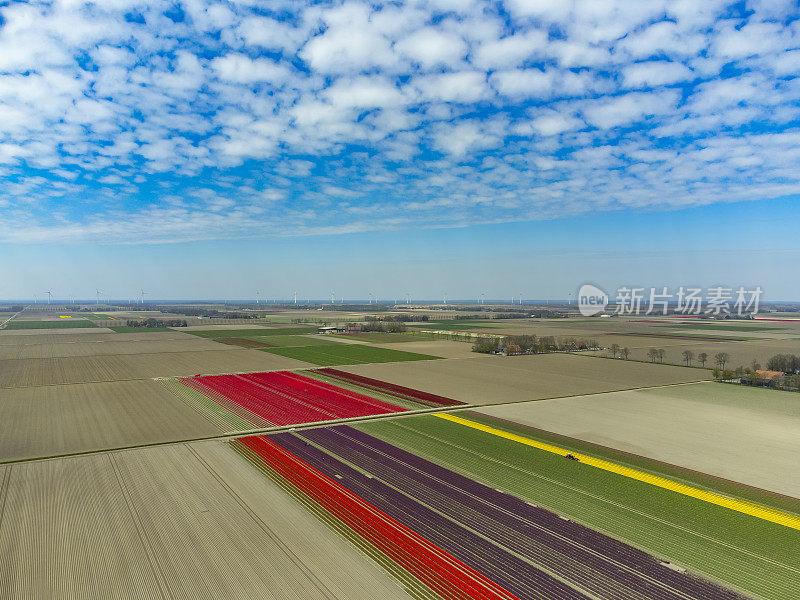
(491, 379)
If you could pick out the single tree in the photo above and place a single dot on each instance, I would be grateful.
(660, 355)
(688, 355)
(652, 354)
(721, 359)
(614, 350)
(702, 357)
(626, 352)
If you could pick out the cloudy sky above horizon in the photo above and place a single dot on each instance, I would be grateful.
(235, 129)
(125, 121)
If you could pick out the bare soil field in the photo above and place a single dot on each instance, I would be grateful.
(741, 353)
(67, 331)
(79, 369)
(107, 347)
(443, 348)
(183, 522)
(61, 419)
(491, 379)
(745, 434)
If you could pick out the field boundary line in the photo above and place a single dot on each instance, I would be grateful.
(742, 506)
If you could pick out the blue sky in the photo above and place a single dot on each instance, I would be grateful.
(423, 147)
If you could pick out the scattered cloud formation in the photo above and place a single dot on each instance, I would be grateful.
(125, 121)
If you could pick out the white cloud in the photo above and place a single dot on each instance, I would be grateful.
(654, 73)
(524, 83)
(550, 122)
(432, 47)
(465, 87)
(240, 68)
(629, 108)
(510, 51)
(366, 93)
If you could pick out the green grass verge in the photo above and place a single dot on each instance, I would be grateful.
(248, 333)
(347, 354)
(747, 552)
(54, 324)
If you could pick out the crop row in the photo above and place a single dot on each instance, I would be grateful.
(410, 394)
(506, 569)
(603, 566)
(285, 398)
(443, 573)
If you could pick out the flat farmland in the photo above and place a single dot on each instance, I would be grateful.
(751, 554)
(58, 331)
(739, 433)
(347, 354)
(741, 353)
(182, 522)
(495, 379)
(79, 369)
(441, 348)
(50, 324)
(107, 346)
(62, 419)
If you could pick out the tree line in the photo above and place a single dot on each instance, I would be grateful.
(157, 323)
(532, 344)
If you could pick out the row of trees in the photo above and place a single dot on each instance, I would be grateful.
(657, 354)
(384, 326)
(531, 344)
(403, 318)
(788, 363)
(156, 323)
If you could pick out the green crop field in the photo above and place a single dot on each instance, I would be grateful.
(249, 333)
(381, 337)
(293, 341)
(347, 354)
(747, 552)
(54, 324)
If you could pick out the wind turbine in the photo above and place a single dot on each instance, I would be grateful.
(332, 300)
(445, 298)
(49, 297)
(258, 298)
(97, 292)
(295, 297)
(141, 297)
